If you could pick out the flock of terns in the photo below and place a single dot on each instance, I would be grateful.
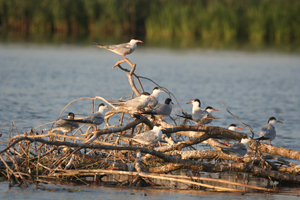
(199, 115)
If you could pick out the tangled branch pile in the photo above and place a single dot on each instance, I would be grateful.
(105, 156)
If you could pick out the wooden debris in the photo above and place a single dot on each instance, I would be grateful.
(36, 157)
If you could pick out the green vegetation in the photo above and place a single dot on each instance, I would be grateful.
(275, 21)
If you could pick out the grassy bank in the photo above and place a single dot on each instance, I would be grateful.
(227, 20)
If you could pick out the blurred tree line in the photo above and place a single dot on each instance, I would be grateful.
(250, 20)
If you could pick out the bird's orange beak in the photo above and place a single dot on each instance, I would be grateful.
(239, 128)
(215, 110)
(140, 41)
(189, 103)
(279, 121)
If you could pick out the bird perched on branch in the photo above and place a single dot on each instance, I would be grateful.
(149, 137)
(268, 132)
(137, 103)
(208, 117)
(232, 127)
(237, 150)
(161, 110)
(154, 101)
(199, 115)
(94, 119)
(121, 49)
(65, 125)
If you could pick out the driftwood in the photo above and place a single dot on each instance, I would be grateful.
(37, 156)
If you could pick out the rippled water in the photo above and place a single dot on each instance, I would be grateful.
(37, 82)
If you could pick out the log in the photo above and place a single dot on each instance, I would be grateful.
(273, 150)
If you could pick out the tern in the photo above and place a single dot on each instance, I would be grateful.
(237, 150)
(137, 103)
(268, 132)
(67, 126)
(149, 137)
(121, 49)
(94, 119)
(208, 117)
(232, 127)
(199, 115)
(161, 110)
(154, 101)
(197, 112)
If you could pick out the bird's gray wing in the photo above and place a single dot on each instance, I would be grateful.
(153, 102)
(133, 103)
(146, 137)
(124, 48)
(65, 123)
(159, 109)
(199, 114)
(95, 118)
(267, 131)
(167, 109)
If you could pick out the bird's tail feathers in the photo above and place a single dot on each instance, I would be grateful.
(98, 45)
(149, 112)
(76, 121)
(185, 116)
(262, 138)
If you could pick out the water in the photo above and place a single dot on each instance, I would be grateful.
(112, 193)
(38, 81)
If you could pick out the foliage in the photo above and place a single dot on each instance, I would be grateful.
(249, 20)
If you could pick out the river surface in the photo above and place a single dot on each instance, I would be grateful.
(38, 81)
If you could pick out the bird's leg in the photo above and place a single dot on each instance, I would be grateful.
(125, 57)
(226, 144)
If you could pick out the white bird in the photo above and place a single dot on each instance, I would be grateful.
(161, 110)
(154, 101)
(232, 127)
(197, 112)
(137, 103)
(199, 115)
(121, 49)
(67, 126)
(149, 137)
(237, 150)
(94, 119)
(268, 132)
(208, 117)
